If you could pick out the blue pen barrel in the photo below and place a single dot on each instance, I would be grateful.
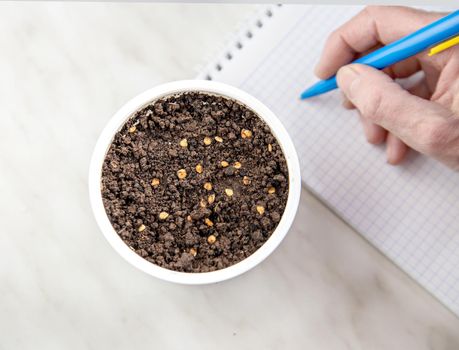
(414, 43)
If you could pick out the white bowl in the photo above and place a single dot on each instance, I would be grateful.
(146, 98)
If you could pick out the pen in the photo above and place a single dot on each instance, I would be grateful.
(436, 32)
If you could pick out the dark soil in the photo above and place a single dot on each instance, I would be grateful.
(155, 185)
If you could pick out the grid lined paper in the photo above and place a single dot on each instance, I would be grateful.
(410, 212)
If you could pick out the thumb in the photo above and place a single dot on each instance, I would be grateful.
(420, 123)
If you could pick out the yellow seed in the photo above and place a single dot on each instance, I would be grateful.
(163, 215)
(270, 147)
(260, 209)
(207, 141)
(203, 203)
(132, 129)
(229, 192)
(224, 163)
(155, 182)
(183, 143)
(271, 190)
(246, 180)
(246, 133)
(208, 186)
(209, 222)
(211, 198)
(193, 252)
(211, 239)
(141, 228)
(237, 165)
(199, 168)
(218, 139)
(188, 217)
(181, 174)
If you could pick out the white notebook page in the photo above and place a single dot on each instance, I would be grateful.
(410, 212)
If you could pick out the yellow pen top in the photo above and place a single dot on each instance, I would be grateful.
(444, 45)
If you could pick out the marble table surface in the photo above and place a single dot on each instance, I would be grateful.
(65, 68)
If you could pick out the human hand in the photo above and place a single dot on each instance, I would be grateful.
(425, 117)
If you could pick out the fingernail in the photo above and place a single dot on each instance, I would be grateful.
(394, 153)
(347, 78)
(390, 154)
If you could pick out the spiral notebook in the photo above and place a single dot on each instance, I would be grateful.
(410, 212)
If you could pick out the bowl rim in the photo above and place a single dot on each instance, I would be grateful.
(217, 88)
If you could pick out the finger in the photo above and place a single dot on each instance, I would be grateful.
(432, 74)
(396, 150)
(403, 69)
(418, 122)
(374, 134)
(380, 24)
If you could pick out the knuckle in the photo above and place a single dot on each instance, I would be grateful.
(370, 8)
(375, 10)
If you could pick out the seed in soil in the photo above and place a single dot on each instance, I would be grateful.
(163, 215)
(271, 190)
(260, 209)
(199, 169)
(229, 192)
(141, 228)
(211, 239)
(270, 147)
(218, 139)
(246, 180)
(132, 129)
(208, 186)
(246, 134)
(183, 143)
(155, 182)
(209, 222)
(181, 174)
(211, 198)
(207, 141)
(237, 165)
(224, 163)
(193, 252)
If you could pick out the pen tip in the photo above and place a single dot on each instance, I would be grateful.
(319, 88)
(310, 92)
(306, 94)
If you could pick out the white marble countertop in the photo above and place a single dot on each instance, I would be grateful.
(64, 69)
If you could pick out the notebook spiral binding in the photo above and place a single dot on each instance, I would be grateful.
(245, 34)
